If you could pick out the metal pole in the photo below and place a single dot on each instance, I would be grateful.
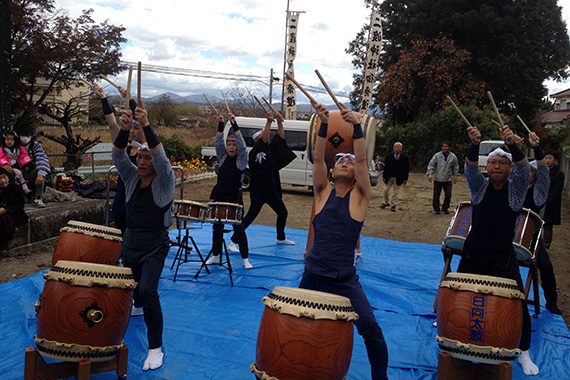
(271, 87)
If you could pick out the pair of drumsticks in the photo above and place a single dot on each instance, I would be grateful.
(128, 97)
(499, 123)
(228, 107)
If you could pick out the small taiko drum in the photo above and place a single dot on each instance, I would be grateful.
(528, 223)
(84, 311)
(223, 212)
(86, 242)
(339, 136)
(459, 226)
(304, 334)
(479, 318)
(189, 211)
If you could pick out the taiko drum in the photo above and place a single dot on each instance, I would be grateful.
(339, 136)
(459, 226)
(524, 243)
(479, 318)
(89, 243)
(224, 212)
(189, 211)
(84, 311)
(304, 335)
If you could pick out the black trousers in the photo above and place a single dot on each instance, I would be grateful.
(239, 234)
(547, 277)
(511, 271)
(437, 187)
(276, 203)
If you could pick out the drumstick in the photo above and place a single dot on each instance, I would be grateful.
(261, 104)
(228, 107)
(328, 90)
(128, 97)
(496, 122)
(495, 108)
(459, 112)
(109, 80)
(139, 83)
(86, 82)
(524, 125)
(211, 105)
(270, 106)
(301, 88)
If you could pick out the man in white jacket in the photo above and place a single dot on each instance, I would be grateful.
(442, 170)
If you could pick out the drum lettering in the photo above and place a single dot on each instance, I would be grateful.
(477, 323)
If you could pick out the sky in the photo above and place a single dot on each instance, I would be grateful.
(237, 36)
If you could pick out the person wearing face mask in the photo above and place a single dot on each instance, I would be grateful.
(34, 174)
(233, 162)
(15, 159)
(12, 203)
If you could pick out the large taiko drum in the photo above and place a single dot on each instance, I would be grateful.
(339, 136)
(479, 318)
(304, 335)
(84, 311)
(189, 211)
(528, 223)
(224, 212)
(459, 226)
(86, 242)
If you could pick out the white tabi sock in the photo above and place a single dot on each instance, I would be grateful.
(154, 359)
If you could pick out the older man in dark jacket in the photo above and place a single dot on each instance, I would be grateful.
(396, 170)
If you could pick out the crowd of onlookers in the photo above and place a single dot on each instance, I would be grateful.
(23, 167)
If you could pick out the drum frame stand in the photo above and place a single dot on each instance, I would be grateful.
(450, 368)
(36, 367)
(227, 264)
(183, 246)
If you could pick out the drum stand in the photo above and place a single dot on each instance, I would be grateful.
(227, 264)
(37, 369)
(447, 255)
(183, 247)
(450, 368)
(532, 279)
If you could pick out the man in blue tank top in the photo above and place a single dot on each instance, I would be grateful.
(497, 201)
(339, 216)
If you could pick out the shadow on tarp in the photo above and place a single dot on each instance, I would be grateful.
(210, 329)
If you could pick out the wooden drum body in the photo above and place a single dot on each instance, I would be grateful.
(223, 212)
(84, 311)
(479, 318)
(89, 243)
(459, 226)
(339, 136)
(189, 211)
(304, 335)
(528, 223)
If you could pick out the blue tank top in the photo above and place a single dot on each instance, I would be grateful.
(332, 253)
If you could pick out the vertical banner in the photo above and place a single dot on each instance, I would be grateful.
(371, 63)
(290, 98)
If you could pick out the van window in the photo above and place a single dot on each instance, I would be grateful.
(487, 147)
(296, 140)
(247, 134)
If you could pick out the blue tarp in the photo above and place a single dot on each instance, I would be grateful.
(210, 329)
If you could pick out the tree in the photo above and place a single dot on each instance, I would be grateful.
(515, 45)
(50, 46)
(417, 84)
(6, 53)
(162, 112)
(242, 102)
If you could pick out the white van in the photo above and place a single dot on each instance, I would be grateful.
(300, 171)
(486, 147)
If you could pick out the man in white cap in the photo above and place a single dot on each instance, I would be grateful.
(497, 201)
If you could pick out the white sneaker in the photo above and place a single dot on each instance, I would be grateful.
(233, 247)
(154, 359)
(247, 264)
(285, 242)
(213, 260)
(39, 203)
(136, 311)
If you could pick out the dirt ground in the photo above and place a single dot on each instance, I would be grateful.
(414, 221)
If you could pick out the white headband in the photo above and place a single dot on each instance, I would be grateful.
(340, 156)
(139, 146)
(502, 153)
(534, 165)
(256, 134)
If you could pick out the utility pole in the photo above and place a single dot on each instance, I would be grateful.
(271, 87)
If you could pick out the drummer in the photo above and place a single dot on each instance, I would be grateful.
(233, 162)
(149, 190)
(339, 216)
(497, 201)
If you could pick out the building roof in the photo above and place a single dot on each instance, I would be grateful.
(561, 93)
(552, 117)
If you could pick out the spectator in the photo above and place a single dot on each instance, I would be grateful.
(13, 158)
(554, 201)
(395, 174)
(12, 203)
(442, 170)
(35, 173)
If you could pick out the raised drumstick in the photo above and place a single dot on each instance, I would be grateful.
(86, 82)
(109, 80)
(459, 112)
(270, 106)
(211, 105)
(495, 108)
(261, 104)
(227, 106)
(524, 125)
(128, 97)
(329, 90)
(301, 88)
(139, 83)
